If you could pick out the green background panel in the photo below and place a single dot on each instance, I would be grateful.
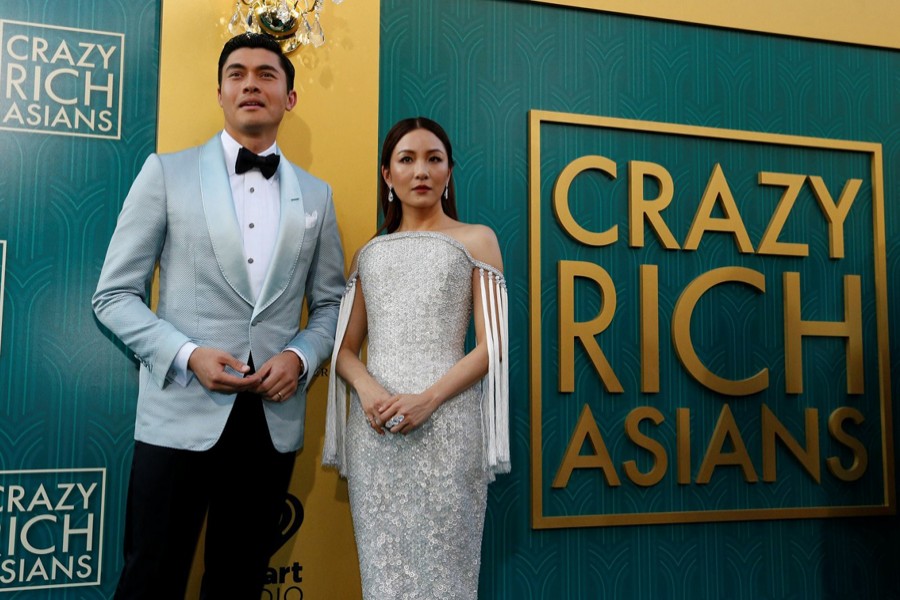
(478, 67)
(66, 390)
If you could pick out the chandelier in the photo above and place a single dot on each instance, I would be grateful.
(293, 23)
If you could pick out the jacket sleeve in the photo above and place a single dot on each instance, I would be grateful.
(120, 301)
(324, 288)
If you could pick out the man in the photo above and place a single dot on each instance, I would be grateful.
(240, 240)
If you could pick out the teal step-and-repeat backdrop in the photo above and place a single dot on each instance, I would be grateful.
(78, 100)
(698, 228)
(698, 232)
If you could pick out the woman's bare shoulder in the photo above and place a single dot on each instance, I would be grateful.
(480, 241)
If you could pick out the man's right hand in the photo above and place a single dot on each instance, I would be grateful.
(208, 366)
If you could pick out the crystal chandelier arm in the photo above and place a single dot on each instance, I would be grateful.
(289, 23)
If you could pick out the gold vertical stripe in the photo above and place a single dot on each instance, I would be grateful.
(881, 314)
(534, 166)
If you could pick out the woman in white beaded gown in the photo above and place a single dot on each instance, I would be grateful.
(428, 422)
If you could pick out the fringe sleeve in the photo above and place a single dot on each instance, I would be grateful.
(334, 453)
(495, 385)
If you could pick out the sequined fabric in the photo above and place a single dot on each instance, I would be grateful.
(418, 501)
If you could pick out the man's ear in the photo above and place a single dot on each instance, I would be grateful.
(291, 99)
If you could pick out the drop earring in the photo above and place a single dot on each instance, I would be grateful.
(391, 195)
(447, 191)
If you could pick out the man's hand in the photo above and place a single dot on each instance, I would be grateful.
(278, 377)
(208, 366)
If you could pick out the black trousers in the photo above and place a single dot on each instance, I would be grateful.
(239, 485)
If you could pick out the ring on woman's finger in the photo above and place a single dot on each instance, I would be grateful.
(394, 421)
(278, 395)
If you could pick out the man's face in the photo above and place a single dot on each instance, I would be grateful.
(253, 94)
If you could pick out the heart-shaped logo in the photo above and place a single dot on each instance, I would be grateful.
(289, 521)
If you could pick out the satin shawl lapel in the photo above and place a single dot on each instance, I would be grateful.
(291, 229)
(221, 220)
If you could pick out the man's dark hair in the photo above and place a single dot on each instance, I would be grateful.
(257, 40)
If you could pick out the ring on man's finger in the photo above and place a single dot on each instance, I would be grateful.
(278, 395)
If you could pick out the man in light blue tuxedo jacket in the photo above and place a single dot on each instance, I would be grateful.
(240, 241)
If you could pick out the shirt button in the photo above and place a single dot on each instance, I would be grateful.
(252, 190)
(252, 225)
(250, 260)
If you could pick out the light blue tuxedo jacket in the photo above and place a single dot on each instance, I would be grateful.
(180, 214)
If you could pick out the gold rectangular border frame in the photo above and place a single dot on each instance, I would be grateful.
(537, 117)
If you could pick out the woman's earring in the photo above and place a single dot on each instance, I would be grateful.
(391, 195)
(447, 191)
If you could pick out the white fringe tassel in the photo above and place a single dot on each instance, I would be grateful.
(495, 385)
(334, 454)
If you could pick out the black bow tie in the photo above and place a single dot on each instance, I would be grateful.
(246, 160)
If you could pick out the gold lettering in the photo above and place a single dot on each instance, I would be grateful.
(570, 330)
(772, 428)
(561, 200)
(717, 190)
(835, 213)
(681, 331)
(860, 456)
(649, 329)
(726, 428)
(769, 244)
(683, 435)
(660, 458)
(586, 430)
(795, 329)
(641, 208)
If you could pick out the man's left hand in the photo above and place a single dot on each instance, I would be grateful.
(278, 377)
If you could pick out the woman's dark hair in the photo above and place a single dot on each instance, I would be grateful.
(393, 211)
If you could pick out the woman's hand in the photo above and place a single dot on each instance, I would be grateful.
(408, 411)
(372, 396)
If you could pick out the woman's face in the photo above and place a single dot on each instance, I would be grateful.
(419, 169)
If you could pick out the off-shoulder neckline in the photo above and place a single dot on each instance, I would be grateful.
(387, 237)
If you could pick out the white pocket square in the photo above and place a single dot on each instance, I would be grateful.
(311, 219)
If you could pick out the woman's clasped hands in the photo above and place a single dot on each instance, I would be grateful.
(400, 413)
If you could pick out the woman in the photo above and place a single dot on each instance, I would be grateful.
(422, 440)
